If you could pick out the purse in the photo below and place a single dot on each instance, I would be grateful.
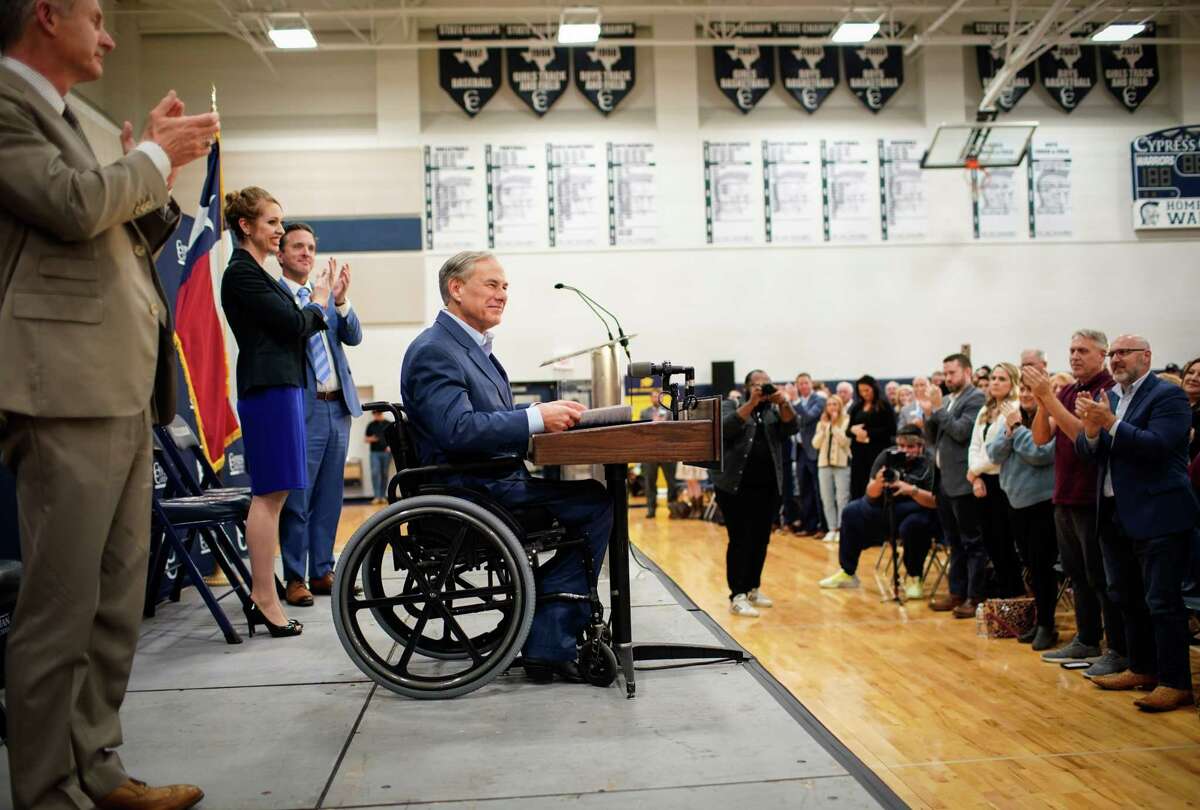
(1008, 618)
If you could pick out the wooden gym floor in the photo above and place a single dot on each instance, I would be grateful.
(946, 719)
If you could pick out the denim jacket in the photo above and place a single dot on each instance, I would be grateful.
(1026, 468)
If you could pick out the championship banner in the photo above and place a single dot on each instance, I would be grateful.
(470, 74)
(605, 74)
(537, 74)
(1068, 72)
(875, 72)
(809, 72)
(991, 58)
(1130, 69)
(744, 73)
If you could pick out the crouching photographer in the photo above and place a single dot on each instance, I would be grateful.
(902, 480)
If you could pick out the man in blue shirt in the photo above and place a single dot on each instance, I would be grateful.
(460, 407)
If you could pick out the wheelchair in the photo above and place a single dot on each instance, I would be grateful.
(448, 580)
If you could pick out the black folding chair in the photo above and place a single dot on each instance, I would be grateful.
(189, 513)
(10, 583)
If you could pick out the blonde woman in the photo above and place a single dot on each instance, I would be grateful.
(984, 474)
(832, 444)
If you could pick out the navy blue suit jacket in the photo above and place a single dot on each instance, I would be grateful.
(458, 398)
(340, 331)
(1148, 459)
(809, 415)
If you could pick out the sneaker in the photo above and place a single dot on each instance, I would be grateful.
(740, 606)
(1076, 650)
(913, 589)
(1110, 663)
(839, 580)
(759, 598)
(830, 536)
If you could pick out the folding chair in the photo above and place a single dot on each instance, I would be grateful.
(10, 583)
(939, 558)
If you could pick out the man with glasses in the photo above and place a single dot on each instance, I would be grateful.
(1075, 505)
(1137, 436)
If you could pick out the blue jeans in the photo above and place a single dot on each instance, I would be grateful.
(864, 524)
(379, 472)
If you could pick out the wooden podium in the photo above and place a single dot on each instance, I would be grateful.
(696, 438)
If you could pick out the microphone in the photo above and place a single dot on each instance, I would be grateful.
(639, 370)
(586, 300)
(592, 301)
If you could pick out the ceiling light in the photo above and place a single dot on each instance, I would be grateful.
(1118, 32)
(855, 32)
(290, 31)
(579, 26)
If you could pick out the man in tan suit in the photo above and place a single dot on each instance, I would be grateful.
(85, 366)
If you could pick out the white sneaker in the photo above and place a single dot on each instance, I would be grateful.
(830, 536)
(839, 580)
(740, 606)
(759, 598)
(913, 589)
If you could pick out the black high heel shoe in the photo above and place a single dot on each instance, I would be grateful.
(255, 616)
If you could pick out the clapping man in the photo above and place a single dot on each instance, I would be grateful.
(808, 406)
(87, 358)
(1137, 435)
(309, 521)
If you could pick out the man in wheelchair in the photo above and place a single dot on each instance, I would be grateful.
(460, 409)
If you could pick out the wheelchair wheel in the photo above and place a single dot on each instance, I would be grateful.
(598, 663)
(448, 597)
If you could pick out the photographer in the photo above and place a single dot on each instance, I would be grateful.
(750, 486)
(906, 472)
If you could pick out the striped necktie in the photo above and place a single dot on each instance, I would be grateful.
(317, 355)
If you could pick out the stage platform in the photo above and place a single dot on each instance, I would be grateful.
(291, 723)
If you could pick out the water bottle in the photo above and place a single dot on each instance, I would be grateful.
(980, 623)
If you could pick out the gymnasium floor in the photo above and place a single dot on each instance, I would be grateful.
(945, 718)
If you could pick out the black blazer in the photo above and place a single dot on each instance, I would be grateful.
(271, 332)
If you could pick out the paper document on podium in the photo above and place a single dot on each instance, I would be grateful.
(603, 417)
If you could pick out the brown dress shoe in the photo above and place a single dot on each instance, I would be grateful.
(135, 795)
(966, 609)
(322, 586)
(1126, 679)
(947, 602)
(1164, 699)
(297, 594)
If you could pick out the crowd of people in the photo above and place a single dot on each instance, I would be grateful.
(1021, 473)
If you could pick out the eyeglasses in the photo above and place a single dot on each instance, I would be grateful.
(1114, 353)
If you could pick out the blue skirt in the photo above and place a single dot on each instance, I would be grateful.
(273, 437)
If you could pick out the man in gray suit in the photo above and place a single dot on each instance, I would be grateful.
(86, 359)
(948, 426)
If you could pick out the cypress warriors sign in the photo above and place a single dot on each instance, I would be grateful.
(470, 74)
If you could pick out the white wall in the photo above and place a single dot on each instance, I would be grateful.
(832, 310)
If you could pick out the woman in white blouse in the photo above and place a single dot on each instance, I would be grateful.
(833, 463)
(984, 475)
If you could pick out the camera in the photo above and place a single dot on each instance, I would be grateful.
(767, 390)
(894, 462)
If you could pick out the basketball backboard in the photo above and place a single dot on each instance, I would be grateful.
(979, 145)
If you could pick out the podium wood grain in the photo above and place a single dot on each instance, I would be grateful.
(628, 444)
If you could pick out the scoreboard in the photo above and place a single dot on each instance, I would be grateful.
(1166, 179)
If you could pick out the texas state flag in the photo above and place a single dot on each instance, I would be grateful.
(199, 335)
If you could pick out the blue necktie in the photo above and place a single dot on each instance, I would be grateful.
(316, 347)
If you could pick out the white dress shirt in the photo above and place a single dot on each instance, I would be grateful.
(46, 90)
(484, 341)
(1124, 397)
(333, 383)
